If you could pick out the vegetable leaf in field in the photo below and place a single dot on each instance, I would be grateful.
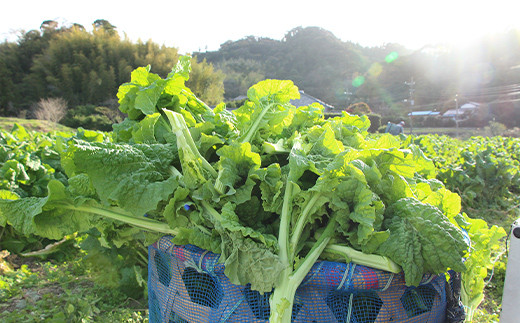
(45, 216)
(366, 210)
(140, 95)
(268, 107)
(147, 94)
(237, 166)
(61, 213)
(422, 240)
(197, 171)
(303, 118)
(144, 132)
(485, 248)
(249, 256)
(133, 177)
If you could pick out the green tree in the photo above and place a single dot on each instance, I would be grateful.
(241, 74)
(205, 82)
(7, 86)
(85, 67)
(104, 25)
(360, 108)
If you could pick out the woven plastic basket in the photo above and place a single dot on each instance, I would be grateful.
(187, 284)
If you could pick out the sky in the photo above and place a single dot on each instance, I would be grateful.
(201, 25)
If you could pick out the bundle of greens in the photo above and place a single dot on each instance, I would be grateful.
(268, 186)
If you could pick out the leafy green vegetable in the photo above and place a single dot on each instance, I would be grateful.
(422, 240)
(485, 249)
(267, 111)
(59, 214)
(134, 177)
(268, 186)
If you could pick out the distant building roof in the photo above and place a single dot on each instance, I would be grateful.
(453, 113)
(423, 113)
(239, 98)
(306, 99)
(470, 105)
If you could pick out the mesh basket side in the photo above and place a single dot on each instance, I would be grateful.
(187, 284)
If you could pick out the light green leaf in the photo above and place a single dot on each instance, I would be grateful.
(236, 166)
(422, 240)
(45, 216)
(133, 177)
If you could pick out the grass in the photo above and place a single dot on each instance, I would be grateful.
(6, 123)
(61, 291)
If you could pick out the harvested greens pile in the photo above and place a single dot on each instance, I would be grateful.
(268, 186)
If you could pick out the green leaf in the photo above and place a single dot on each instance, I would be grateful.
(147, 97)
(270, 106)
(236, 166)
(322, 141)
(248, 255)
(271, 186)
(133, 177)
(139, 94)
(175, 212)
(123, 130)
(182, 69)
(45, 216)
(281, 91)
(353, 196)
(248, 262)
(422, 240)
(144, 132)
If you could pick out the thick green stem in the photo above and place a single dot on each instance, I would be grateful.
(316, 249)
(211, 210)
(185, 140)
(302, 220)
(282, 299)
(360, 258)
(199, 101)
(470, 303)
(285, 220)
(140, 222)
(254, 127)
(143, 259)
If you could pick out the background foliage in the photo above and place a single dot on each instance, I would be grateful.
(342, 73)
(85, 68)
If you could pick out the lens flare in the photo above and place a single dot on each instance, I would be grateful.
(375, 69)
(358, 81)
(391, 57)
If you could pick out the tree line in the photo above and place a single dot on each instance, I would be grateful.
(388, 78)
(86, 67)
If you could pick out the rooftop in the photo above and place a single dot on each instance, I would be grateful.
(306, 99)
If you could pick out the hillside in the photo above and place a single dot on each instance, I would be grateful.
(33, 125)
(341, 73)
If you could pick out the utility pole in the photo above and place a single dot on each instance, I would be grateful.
(347, 97)
(411, 90)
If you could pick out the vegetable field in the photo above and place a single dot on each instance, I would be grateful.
(270, 187)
